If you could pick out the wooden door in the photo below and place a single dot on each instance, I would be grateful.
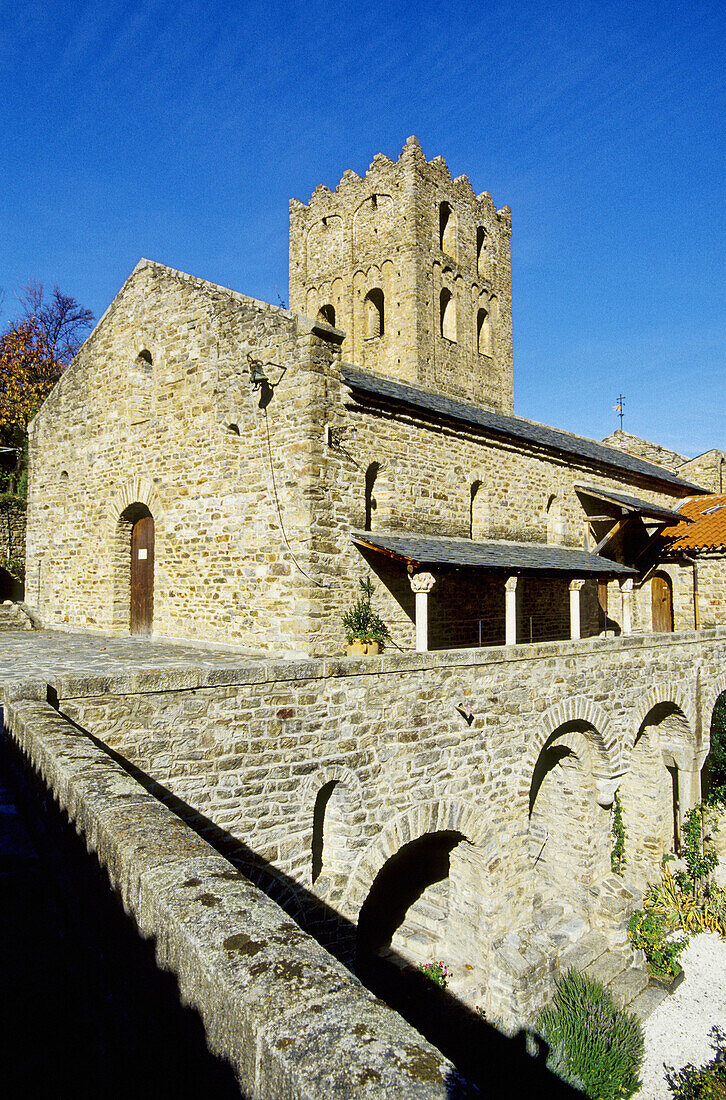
(142, 575)
(662, 597)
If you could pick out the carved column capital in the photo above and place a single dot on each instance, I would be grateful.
(576, 586)
(627, 584)
(511, 584)
(422, 582)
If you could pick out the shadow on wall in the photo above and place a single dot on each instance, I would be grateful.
(91, 1010)
(501, 1066)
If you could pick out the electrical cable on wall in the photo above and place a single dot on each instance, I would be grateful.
(290, 550)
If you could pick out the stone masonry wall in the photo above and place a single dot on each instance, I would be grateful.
(383, 233)
(415, 744)
(157, 408)
(423, 485)
(289, 1018)
(12, 531)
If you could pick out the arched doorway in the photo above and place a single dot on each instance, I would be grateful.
(662, 603)
(136, 529)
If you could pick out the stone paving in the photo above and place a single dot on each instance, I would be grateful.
(45, 654)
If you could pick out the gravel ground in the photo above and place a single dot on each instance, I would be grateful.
(677, 1032)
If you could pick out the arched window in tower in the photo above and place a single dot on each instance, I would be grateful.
(447, 229)
(448, 314)
(374, 313)
(326, 314)
(370, 500)
(484, 332)
(481, 249)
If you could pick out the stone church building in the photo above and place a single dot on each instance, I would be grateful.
(218, 469)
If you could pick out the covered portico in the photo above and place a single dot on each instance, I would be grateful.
(497, 592)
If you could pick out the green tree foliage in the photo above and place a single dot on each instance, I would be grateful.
(35, 348)
(714, 772)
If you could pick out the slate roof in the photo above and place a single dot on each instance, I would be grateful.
(511, 557)
(707, 529)
(635, 504)
(511, 427)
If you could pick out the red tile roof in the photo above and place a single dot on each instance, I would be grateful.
(706, 532)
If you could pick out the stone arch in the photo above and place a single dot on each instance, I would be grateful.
(411, 824)
(137, 490)
(344, 803)
(607, 760)
(667, 692)
(568, 834)
(708, 702)
(663, 752)
(326, 314)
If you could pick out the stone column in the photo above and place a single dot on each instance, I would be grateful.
(510, 619)
(626, 590)
(575, 629)
(422, 583)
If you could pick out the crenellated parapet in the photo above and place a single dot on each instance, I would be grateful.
(414, 266)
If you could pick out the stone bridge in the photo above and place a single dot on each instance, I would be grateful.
(452, 805)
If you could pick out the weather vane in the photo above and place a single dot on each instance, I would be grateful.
(620, 408)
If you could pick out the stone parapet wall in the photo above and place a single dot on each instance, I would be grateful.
(287, 1016)
(417, 744)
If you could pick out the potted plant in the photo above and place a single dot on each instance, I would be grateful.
(365, 631)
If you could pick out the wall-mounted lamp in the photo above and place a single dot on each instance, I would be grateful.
(257, 374)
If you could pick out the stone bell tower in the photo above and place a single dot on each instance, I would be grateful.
(415, 268)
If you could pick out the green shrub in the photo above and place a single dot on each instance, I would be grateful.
(601, 1045)
(706, 1082)
(361, 622)
(647, 930)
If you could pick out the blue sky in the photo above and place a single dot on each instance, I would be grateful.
(178, 131)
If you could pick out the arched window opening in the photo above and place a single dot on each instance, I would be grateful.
(318, 844)
(478, 511)
(447, 229)
(326, 314)
(481, 249)
(370, 500)
(233, 429)
(484, 332)
(555, 520)
(144, 356)
(64, 475)
(374, 313)
(448, 315)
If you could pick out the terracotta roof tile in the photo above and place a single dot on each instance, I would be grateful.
(708, 529)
